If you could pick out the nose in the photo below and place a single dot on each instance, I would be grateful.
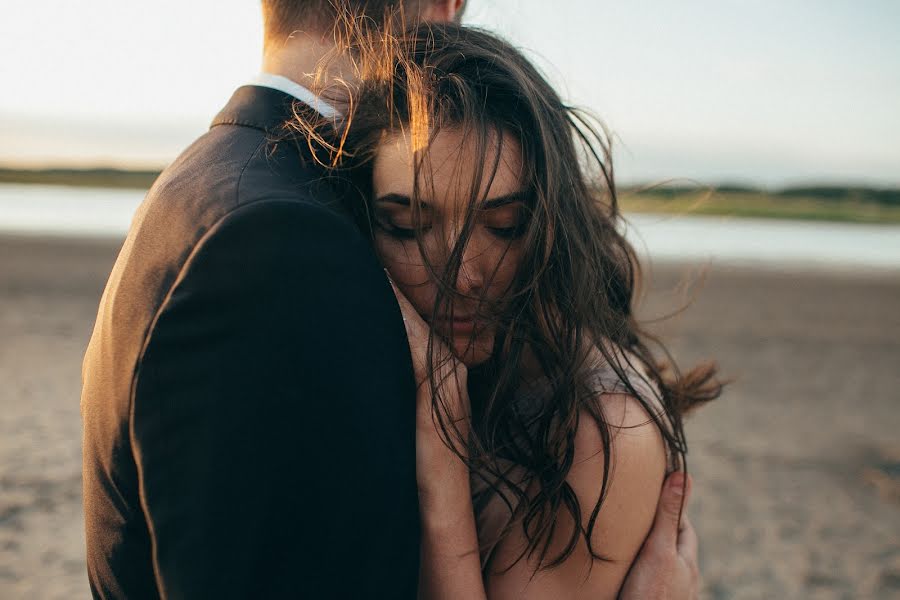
(470, 277)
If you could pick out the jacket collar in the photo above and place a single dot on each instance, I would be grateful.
(262, 108)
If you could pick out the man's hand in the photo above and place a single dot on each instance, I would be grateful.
(666, 567)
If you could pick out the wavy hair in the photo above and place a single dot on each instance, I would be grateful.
(574, 291)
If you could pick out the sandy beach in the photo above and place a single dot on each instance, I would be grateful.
(797, 466)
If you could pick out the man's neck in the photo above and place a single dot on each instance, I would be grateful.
(313, 62)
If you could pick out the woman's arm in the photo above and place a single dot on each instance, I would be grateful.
(450, 561)
(450, 566)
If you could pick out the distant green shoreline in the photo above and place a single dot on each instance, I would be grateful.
(106, 178)
(819, 203)
(815, 203)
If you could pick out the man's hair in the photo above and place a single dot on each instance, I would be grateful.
(283, 17)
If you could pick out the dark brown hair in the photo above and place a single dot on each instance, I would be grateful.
(575, 287)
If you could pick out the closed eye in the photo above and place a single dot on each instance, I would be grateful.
(387, 222)
(403, 233)
(508, 233)
(394, 216)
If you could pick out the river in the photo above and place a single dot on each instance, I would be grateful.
(768, 243)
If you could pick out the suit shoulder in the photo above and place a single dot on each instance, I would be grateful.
(228, 167)
(198, 198)
(204, 179)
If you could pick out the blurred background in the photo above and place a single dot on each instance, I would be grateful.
(757, 145)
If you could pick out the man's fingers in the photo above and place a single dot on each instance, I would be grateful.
(401, 299)
(664, 535)
(687, 540)
(688, 548)
(688, 490)
(667, 563)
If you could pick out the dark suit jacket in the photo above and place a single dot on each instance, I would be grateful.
(248, 397)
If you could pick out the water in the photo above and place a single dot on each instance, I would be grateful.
(767, 242)
(90, 212)
(67, 211)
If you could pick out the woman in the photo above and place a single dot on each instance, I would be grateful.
(545, 425)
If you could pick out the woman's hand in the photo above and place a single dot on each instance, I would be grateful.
(436, 464)
(450, 565)
(417, 332)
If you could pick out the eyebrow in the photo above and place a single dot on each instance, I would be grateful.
(497, 202)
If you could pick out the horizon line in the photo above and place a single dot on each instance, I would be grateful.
(649, 184)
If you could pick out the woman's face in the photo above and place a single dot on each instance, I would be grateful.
(492, 252)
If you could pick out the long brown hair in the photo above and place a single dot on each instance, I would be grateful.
(575, 287)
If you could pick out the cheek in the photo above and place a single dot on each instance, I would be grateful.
(395, 254)
(402, 260)
(507, 261)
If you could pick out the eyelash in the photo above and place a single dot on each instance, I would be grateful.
(506, 233)
(397, 232)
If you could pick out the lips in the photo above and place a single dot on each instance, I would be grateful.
(458, 325)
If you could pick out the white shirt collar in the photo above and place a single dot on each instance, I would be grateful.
(301, 93)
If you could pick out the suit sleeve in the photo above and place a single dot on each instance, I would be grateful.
(273, 416)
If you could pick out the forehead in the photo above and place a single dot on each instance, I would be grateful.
(451, 166)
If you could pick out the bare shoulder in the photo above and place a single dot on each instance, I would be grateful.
(637, 464)
(632, 429)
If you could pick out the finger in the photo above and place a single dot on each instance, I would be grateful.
(416, 328)
(688, 552)
(406, 306)
(688, 490)
(401, 299)
(688, 544)
(664, 535)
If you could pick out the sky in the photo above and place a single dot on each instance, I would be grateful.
(766, 92)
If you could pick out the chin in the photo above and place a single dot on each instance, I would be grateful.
(472, 353)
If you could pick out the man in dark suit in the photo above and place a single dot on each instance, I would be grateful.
(248, 399)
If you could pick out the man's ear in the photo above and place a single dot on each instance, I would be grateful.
(443, 11)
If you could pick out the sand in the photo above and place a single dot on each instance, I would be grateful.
(797, 466)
